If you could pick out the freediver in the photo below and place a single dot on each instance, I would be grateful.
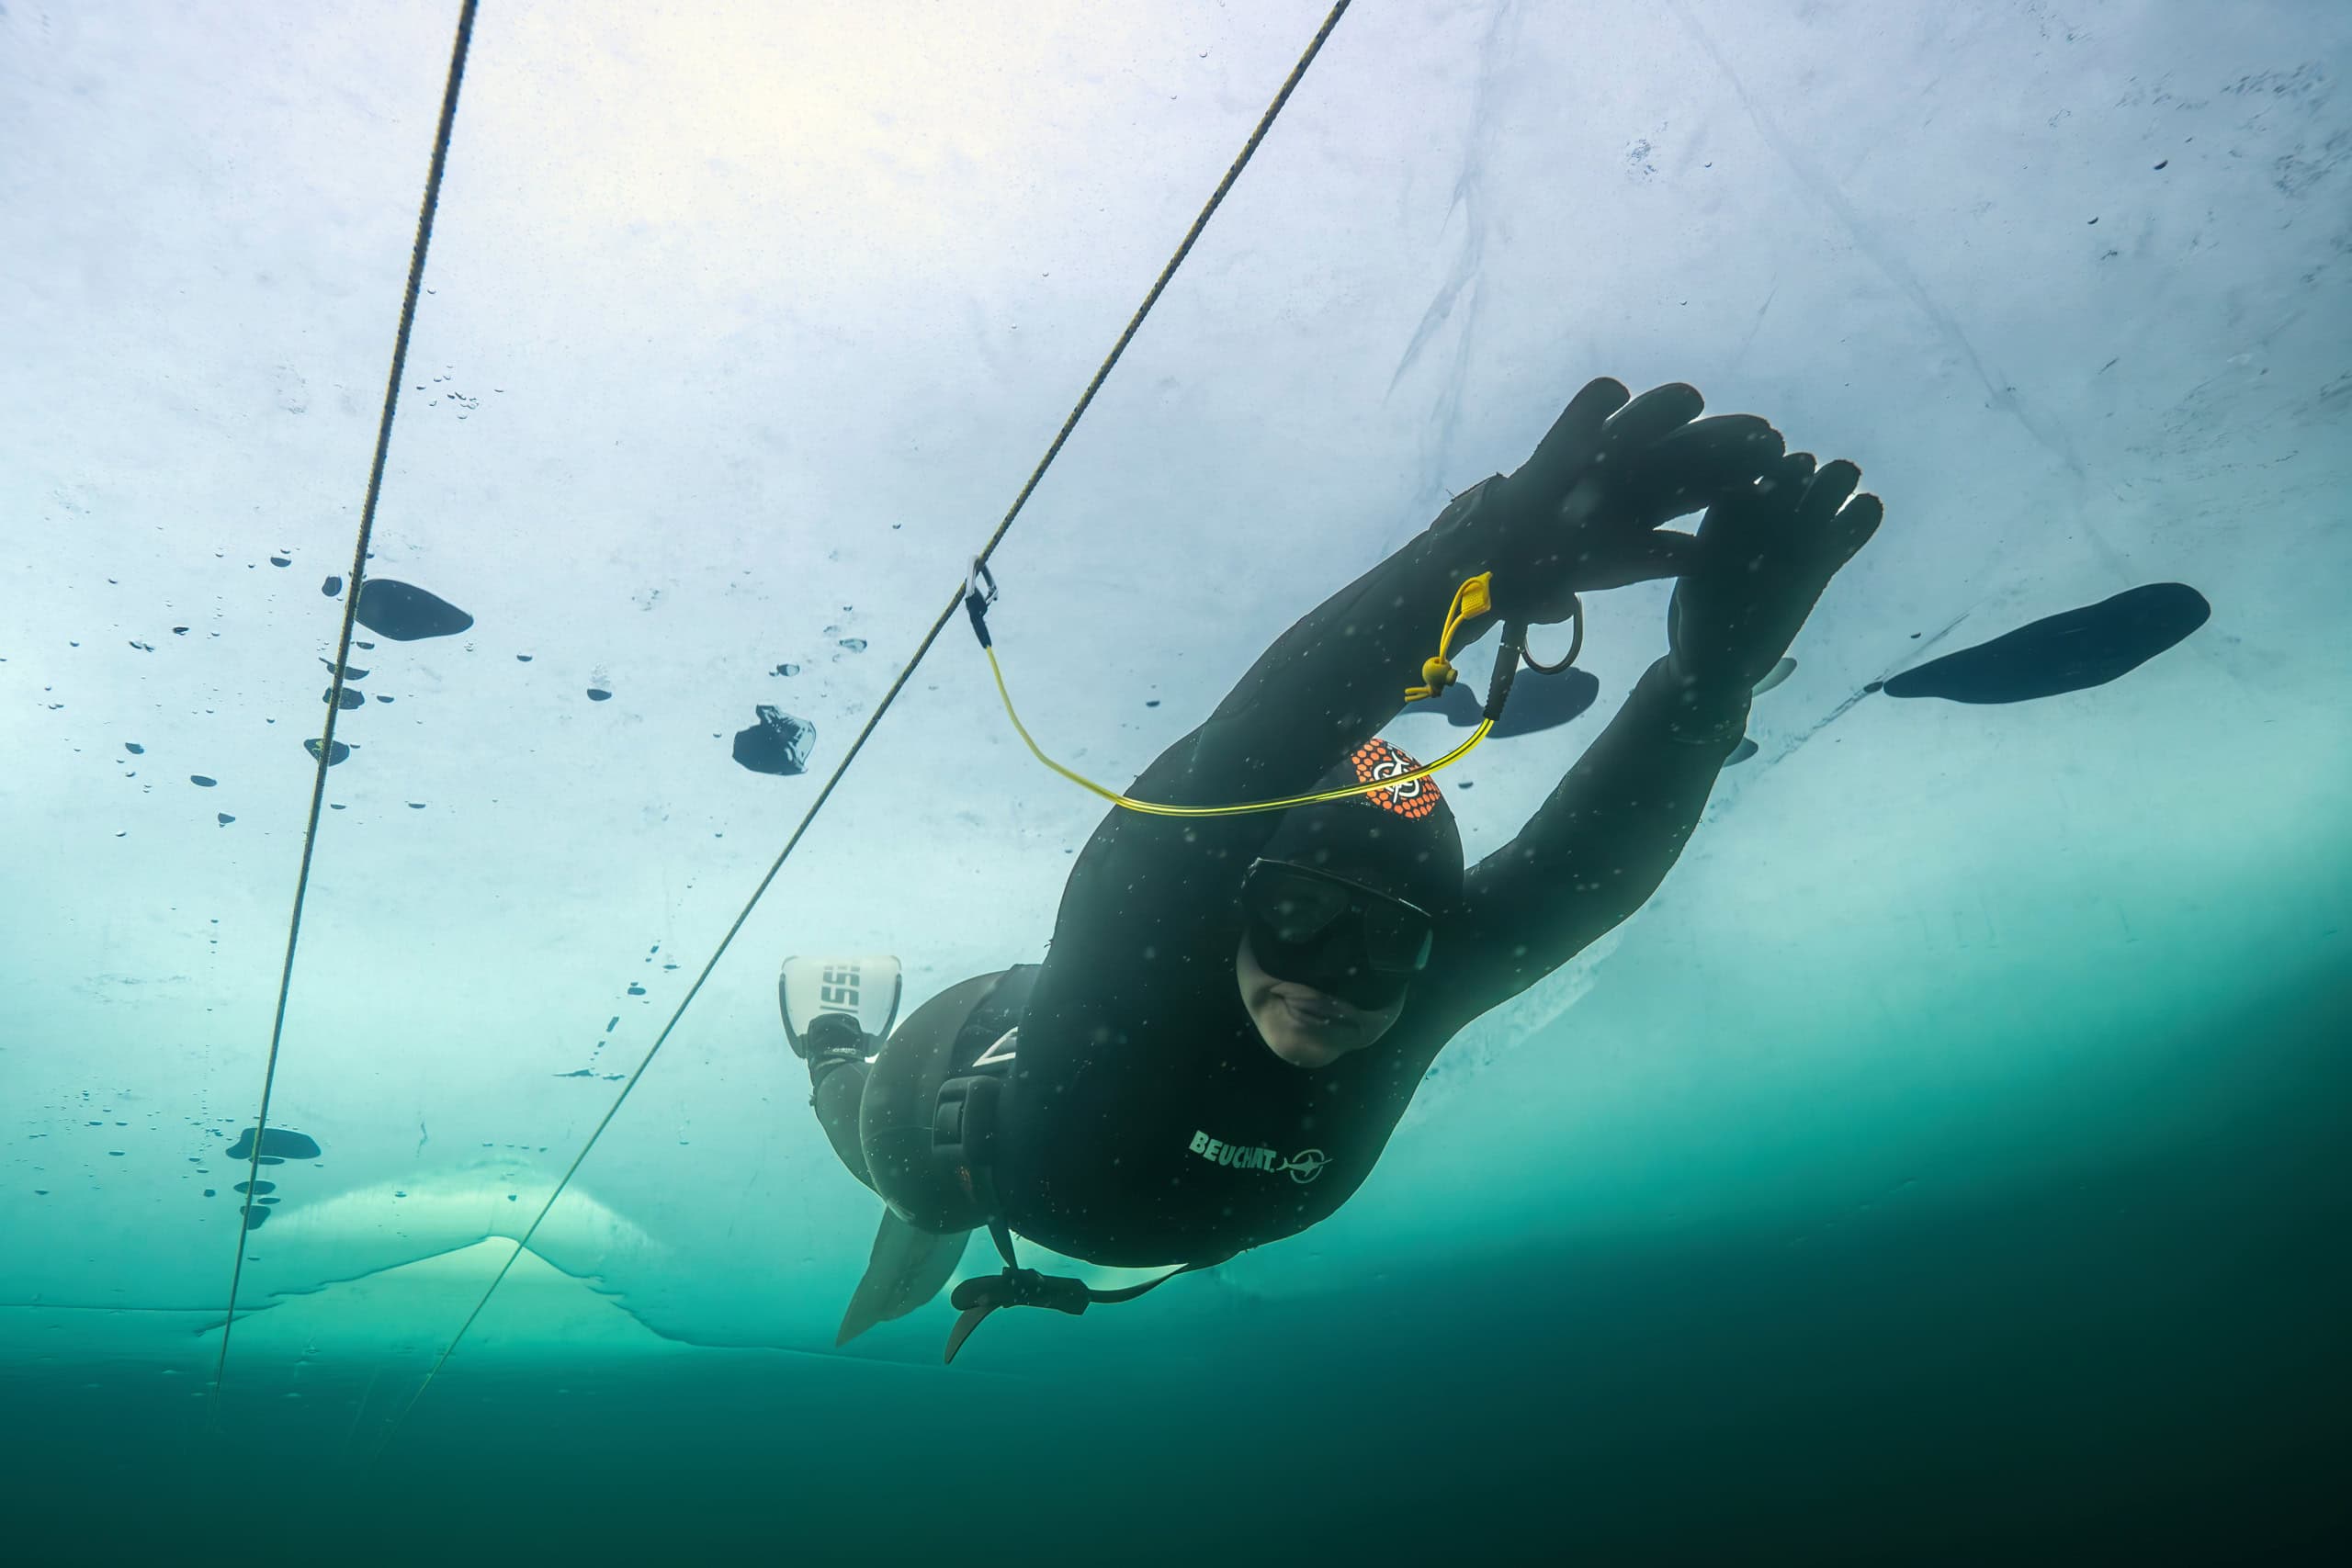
(1235, 1011)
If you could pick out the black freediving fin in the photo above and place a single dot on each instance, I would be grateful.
(908, 1268)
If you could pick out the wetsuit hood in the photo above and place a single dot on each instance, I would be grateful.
(1400, 839)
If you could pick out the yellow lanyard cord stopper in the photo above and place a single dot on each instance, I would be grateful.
(1471, 600)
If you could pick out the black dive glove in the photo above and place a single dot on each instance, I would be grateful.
(1583, 513)
(1765, 552)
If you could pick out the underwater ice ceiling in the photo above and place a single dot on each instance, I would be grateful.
(741, 328)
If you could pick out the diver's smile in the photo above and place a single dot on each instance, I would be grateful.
(1301, 1023)
(1315, 1011)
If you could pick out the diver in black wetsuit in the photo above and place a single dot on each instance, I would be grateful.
(1235, 1011)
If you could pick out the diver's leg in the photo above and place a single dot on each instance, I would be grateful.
(900, 1106)
(827, 1005)
(933, 1207)
(837, 1089)
(879, 1114)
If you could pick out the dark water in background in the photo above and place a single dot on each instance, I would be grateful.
(2150, 1366)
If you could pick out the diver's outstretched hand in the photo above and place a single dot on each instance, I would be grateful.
(1765, 551)
(1583, 513)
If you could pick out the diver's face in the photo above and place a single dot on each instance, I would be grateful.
(1306, 1027)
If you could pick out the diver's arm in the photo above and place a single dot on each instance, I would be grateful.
(1601, 842)
(1605, 839)
(1338, 674)
(1582, 513)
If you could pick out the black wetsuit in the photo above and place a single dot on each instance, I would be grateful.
(1146, 1121)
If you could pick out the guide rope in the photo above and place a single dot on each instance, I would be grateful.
(1062, 437)
(343, 656)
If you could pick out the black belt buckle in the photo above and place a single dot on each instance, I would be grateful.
(963, 1122)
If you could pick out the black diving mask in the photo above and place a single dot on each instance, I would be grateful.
(1341, 937)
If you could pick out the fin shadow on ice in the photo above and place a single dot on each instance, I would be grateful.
(1537, 703)
(2071, 652)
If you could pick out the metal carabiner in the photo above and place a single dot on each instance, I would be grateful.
(977, 597)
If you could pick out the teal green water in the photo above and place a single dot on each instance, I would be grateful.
(2145, 1365)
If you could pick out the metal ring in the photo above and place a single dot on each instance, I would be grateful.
(1576, 614)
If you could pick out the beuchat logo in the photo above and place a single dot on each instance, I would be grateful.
(1302, 1168)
